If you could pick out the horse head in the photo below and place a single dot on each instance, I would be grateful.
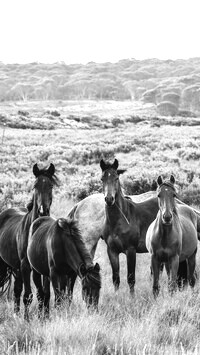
(166, 199)
(91, 284)
(110, 179)
(78, 258)
(45, 180)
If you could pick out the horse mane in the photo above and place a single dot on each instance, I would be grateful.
(29, 205)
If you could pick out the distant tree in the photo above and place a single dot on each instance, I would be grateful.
(191, 98)
(21, 91)
(149, 96)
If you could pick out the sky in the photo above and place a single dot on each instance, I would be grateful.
(81, 31)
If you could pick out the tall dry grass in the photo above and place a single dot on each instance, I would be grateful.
(124, 325)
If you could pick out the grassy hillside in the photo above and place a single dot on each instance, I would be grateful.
(173, 86)
(146, 146)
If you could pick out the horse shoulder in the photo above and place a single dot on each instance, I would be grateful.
(152, 235)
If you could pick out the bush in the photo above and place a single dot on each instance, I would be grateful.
(134, 186)
(167, 108)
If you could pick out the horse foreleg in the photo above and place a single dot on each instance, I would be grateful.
(173, 265)
(114, 261)
(70, 281)
(18, 285)
(155, 267)
(131, 262)
(46, 289)
(191, 269)
(26, 277)
(40, 294)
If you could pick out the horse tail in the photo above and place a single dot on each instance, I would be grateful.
(5, 277)
(72, 212)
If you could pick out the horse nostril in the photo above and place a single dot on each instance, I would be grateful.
(167, 218)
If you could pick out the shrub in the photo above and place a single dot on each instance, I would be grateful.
(167, 108)
(134, 186)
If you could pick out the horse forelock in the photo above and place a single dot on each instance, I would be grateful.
(93, 276)
(167, 184)
(52, 179)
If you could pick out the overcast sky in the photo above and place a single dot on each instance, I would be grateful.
(79, 31)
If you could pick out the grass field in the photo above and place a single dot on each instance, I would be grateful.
(124, 325)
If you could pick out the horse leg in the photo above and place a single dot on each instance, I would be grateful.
(191, 268)
(182, 277)
(70, 281)
(40, 294)
(173, 264)
(114, 261)
(28, 296)
(46, 289)
(131, 262)
(155, 266)
(55, 279)
(18, 286)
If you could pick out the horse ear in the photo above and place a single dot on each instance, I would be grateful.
(97, 267)
(103, 165)
(36, 170)
(63, 223)
(115, 164)
(159, 180)
(121, 171)
(172, 179)
(83, 270)
(51, 170)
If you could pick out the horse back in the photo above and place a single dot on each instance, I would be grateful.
(10, 224)
(188, 220)
(89, 214)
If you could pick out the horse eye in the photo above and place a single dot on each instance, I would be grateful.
(158, 195)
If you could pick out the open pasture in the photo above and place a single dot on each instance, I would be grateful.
(124, 324)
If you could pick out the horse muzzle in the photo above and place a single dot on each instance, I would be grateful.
(167, 219)
(110, 200)
(43, 211)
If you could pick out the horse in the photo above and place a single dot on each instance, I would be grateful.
(14, 229)
(172, 236)
(90, 215)
(56, 249)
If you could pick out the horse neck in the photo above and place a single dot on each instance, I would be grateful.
(33, 214)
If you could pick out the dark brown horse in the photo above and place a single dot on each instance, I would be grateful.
(172, 236)
(14, 230)
(126, 223)
(55, 250)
